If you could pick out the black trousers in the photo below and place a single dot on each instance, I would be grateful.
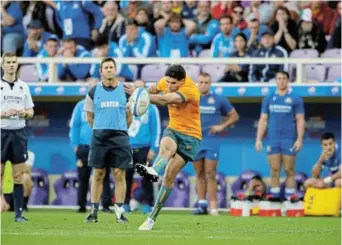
(84, 173)
(139, 156)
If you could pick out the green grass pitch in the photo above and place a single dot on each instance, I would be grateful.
(65, 227)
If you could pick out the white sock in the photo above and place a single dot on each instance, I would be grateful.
(203, 202)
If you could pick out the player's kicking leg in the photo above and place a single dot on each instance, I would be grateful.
(167, 149)
(172, 169)
(202, 208)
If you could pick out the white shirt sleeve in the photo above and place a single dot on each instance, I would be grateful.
(89, 105)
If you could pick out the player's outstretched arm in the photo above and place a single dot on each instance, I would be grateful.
(167, 99)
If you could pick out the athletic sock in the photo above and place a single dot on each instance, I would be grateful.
(160, 164)
(94, 209)
(163, 195)
(18, 197)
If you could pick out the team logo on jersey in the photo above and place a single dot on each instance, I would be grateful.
(211, 100)
(2, 88)
(274, 98)
(21, 88)
(288, 100)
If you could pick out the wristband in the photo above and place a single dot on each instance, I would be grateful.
(327, 180)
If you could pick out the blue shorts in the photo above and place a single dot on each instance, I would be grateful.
(207, 154)
(282, 147)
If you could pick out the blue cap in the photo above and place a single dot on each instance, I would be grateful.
(53, 37)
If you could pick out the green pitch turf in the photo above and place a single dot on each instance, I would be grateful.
(65, 227)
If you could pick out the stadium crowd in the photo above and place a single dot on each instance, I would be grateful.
(168, 29)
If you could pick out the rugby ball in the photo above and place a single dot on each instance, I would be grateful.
(139, 102)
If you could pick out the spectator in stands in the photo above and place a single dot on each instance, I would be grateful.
(189, 10)
(207, 28)
(223, 43)
(330, 158)
(73, 71)
(177, 6)
(310, 35)
(136, 43)
(113, 24)
(336, 17)
(284, 29)
(79, 21)
(162, 10)
(322, 14)
(267, 73)
(335, 40)
(173, 38)
(131, 10)
(238, 20)
(45, 12)
(105, 49)
(144, 21)
(12, 30)
(50, 50)
(36, 39)
(262, 11)
(223, 8)
(292, 6)
(254, 33)
(238, 73)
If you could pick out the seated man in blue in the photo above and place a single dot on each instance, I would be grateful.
(50, 50)
(330, 158)
(36, 39)
(105, 49)
(136, 42)
(73, 71)
(173, 38)
(223, 43)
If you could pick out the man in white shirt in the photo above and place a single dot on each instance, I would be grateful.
(16, 108)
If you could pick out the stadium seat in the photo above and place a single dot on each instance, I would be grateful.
(28, 73)
(134, 70)
(181, 192)
(205, 53)
(66, 189)
(216, 71)
(315, 72)
(40, 189)
(241, 183)
(331, 53)
(300, 179)
(307, 53)
(334, 73)
(153, 73)
(193, 71)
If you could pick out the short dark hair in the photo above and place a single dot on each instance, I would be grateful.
(226, 17)
(327, 135)
(243, 36)
(175, 17)
(107, 60)
(284, 73)
(176, 71)
(131, 22)
(69, 39)
(8, 54)
(101, 40)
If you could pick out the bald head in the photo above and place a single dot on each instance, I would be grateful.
(139, 83)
